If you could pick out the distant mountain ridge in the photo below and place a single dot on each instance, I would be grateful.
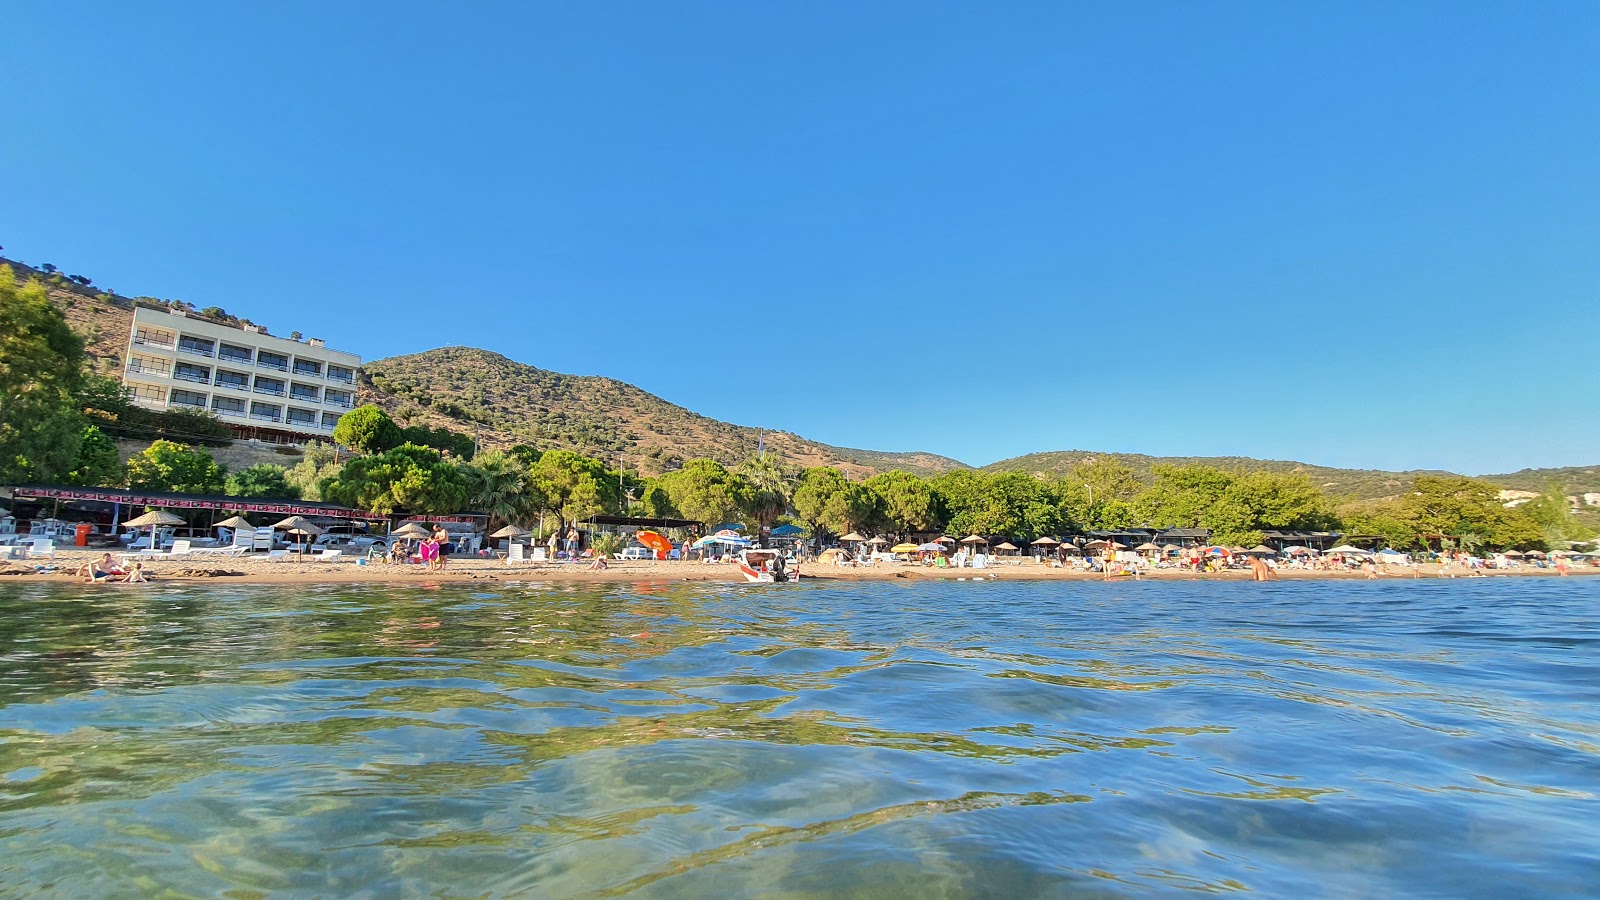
(509, 402)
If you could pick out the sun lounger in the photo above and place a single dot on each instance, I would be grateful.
(42, 548)
(325, 555)
(516, 553)
(277, 556)
(235, 550)
(180, 548)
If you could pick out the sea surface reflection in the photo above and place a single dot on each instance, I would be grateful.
(927, 740)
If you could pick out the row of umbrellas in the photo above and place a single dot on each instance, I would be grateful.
(296, 525)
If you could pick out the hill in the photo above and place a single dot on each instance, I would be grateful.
(1354, 484)
(511, 402)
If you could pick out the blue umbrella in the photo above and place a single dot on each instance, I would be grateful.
(729, 526)
(787, 531)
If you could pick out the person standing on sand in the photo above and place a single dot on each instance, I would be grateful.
(442, 538)
(551, 544)
(1561, 565)
(572, 540)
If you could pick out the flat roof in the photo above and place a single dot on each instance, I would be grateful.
(189, 501)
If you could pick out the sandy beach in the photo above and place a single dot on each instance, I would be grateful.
(261, 571)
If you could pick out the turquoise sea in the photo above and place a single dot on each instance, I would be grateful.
(1292, 739)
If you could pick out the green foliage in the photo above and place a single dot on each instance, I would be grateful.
(704, 490)
(608, 544)
(574, 487)
(41, 371)
(175, 468)
(1447, 510)
(828, 503)
(320, 463)
(1553, 514)
(1010, 503)
(456, 444)
(98, 463)
(262, 480)
(408, 479)
(1237, 508)
(908, 502)
(367, 429)
(766, 490)
(503, 486)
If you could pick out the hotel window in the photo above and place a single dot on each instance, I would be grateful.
(338, 398)
(307, 367)
(154, 337)
(269, 360)
(197, 346)
(341, 373)
(139, 365)
(266, 412)
(182, 397)
(302, 417)
(235, 353)
(303, 392)
(237, 381)
(196, 374)
(227, 406)
(146, 392)
(330, 420)
(273, 386)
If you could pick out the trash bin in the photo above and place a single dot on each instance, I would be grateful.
(82, 540)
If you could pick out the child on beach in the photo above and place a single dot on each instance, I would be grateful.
(135, 575)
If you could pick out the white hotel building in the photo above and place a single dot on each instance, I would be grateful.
(266, 387)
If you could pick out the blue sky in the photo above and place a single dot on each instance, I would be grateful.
(1353, 234)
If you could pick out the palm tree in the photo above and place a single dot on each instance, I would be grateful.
(501, 487)
(769, 489)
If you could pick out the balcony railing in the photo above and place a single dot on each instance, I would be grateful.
(266, 417)
(343, 379)
(276, 392)
(150, 402)
(196, 377)
(233, 385)
(153, 342)
(313, 371)
(307, 422)
(196, 350)
(268, 364)
(235, 357)
(309, 398)
(227, 410)
(137, 369)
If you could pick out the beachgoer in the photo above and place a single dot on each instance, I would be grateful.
(551, 544)
(572, 540)
(135, 575)
(1561, 565)
(599, 564)
(442, 538)
(104, 567)
(430, 552)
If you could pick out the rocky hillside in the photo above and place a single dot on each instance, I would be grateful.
(511, 402)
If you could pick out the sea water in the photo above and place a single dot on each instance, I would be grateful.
(1401, 737)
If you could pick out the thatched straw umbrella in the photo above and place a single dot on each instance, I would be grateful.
(154, 518)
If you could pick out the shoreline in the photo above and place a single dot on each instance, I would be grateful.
(252, 571)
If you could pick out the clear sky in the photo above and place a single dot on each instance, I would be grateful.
(1352, 234)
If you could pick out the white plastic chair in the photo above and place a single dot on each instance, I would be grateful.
(42, 548)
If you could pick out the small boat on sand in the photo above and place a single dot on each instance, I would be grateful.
(766, 567)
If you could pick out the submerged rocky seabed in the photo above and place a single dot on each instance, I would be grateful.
(884, 739)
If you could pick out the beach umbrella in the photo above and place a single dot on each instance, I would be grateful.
(1346, 548)
(852, 538)
(1148, 546)
(931, 547)
(722, 537)
(877, 541)
(1046, 542)
(903, 548)
(1117, 546)
(1513, 553)
(410, 530)
(1069, 548)
(154, 518)
(973, 539)
(1537, 554)
(1260, 550)
(300, 526)
(659, 543)
(511, 531)
(728, 526)
(947, 539)
(1007, 546)
(788, 531)
(234, 522)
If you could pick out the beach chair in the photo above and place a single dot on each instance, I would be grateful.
(516, 553)
(278, 556)
(325, 555)
(538, 555)
(42, 548)
(234, 550)
(180, 548)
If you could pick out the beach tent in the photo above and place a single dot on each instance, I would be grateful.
(154, 518)
(833, 555)
(1346, 548)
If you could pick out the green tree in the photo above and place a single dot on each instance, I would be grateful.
(909, 503)
(98, 463)
(829, 504)
(767, 490)
(407, 479)
(1099, 493)
(41, 371)
(574, 486)
(502, 486)
(367, 429)
(320, 463)
(262, 480)
(177, 468)
(704, 490)
(1552, 512)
